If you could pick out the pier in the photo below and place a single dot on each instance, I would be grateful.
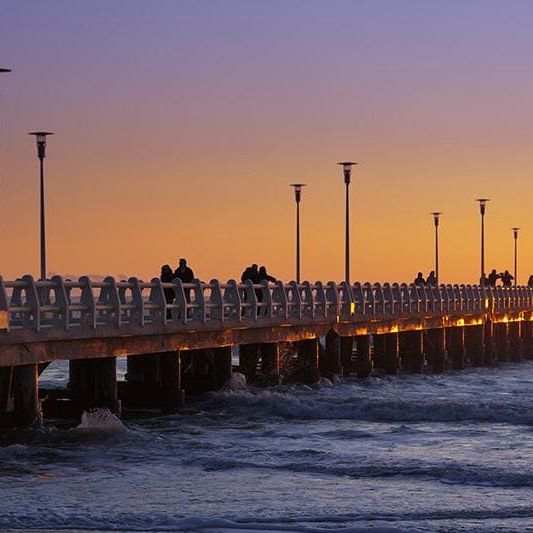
(286, 332)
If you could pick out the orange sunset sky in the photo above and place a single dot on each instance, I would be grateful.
(179, 125)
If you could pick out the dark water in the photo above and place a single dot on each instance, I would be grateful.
(408, 453)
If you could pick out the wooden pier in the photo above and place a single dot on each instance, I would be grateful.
(183, 345)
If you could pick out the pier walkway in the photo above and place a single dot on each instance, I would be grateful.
(180, 336)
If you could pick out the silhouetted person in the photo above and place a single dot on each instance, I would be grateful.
(507, 279)
(263, 275)
(431, 280)
(419, 280)
(167, 277)
(493, 277)
(250, 273)
(186, 275)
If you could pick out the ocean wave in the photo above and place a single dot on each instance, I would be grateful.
(299, 404)
(67, 519)
(446, 472)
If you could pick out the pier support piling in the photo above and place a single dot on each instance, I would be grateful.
(392, 361)
(378, 352)
(435, 348)
(156, 381)
(475, 344)
(249, 355)
(308, 354)
(515, 341)
(93, 383)
(19, 396)
(501, 338)
(527, 339)
(270, 360)
(330, 364)
(222, 361)
(491, 352)
(363, 358)
(456, 347)
(172, 394)
(411, 350)
(346, 347)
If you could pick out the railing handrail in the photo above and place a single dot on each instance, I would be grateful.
(84, 303)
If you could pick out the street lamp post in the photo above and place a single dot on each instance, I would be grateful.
(297, 198)
(436, 215)
(482, 204)
(4, 70)
(347, 171)
(515, 235)
(40, 137)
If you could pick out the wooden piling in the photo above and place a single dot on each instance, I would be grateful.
(269, 352)
(527, 339)
(222, 365)
(93, 384)
(346, 348)
(435, 349)
(308, 354)
(172, 394)
(363, 358)
(515, 341)
(456, 347)
(475, 344)
(378, 353)
(392, 353)
(19, 396)
(501, 338)
(411, 350)
(141, 388)
(330, 364)
(491, 352)
(249, 357)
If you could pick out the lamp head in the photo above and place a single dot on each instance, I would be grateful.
(40, 136)
(5, 70)
(515, 232)
(436, 215)
(482, 204)
(347, 169)
(297, 190)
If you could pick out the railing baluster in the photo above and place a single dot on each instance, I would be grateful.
(32, 301)
(137, 314)
(61, 300)
(158, 307)
(279, 299)
(217, 304)
(232, 300)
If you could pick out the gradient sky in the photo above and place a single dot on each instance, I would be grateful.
(180, 124)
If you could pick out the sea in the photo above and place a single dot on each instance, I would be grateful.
(413, 453)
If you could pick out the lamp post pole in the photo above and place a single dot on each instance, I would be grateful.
(4, 70)
(515, 235)
(347, 171)
(436, 215)
(40, 137)
(482, 204)
(297, 198)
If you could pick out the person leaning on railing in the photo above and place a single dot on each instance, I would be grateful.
(186, 275)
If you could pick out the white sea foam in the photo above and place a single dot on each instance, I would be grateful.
(101, 419)
(236, 383)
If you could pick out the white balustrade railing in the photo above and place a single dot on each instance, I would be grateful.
(89, 304)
